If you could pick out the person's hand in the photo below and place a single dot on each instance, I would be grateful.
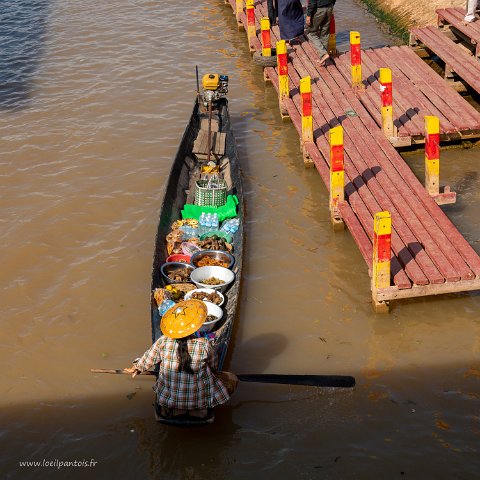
(133, 370)
(308, 21)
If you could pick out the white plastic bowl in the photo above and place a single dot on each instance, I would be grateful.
(202, 273)
(189, 294)
(212, 309)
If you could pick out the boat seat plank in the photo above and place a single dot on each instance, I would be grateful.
(200, 145)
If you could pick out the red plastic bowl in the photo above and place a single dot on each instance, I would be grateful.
(178, 257)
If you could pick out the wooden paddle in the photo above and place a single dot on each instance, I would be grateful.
(336, 381)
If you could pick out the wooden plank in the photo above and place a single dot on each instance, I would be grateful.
(369, 99)
(368, 149)
(423, 101)
(358, 233)
(399, 247)
(406, 106)
(465, 250)
(435, 89)
(403, 88)
(442, 241)
(393, 293)
(464, 65)
(431, 85)
(399, 276)
(454, 17)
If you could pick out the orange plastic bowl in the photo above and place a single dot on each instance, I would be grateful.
(178, 257)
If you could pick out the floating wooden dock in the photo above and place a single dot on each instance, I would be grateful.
(427, 255)
(455, 43)
(418, 92)
(452, 19)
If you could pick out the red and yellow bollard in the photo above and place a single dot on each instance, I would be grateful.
(251, 27)
(238, 13)
(382, 252)
(432, 155)
(283, 86)
(266, 41)
(356, 59)
(432, 163)
(386, 93)
(332, 38)
(337, 175)
(307, 118)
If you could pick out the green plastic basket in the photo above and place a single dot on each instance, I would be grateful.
(207, 195)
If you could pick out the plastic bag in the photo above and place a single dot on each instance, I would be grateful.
(229, 210)
(189, 248)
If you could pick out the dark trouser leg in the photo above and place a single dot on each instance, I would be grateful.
(272, 11)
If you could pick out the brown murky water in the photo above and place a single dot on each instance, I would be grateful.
(94, 98)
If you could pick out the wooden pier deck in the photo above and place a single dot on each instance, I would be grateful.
(429, 255)
(417, 91)
(455, 43)
(452, 19)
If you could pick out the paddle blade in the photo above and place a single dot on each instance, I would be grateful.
(336, 381)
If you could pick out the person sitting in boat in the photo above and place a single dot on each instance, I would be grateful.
(188, 380)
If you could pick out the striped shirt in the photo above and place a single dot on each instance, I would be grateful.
(181, 390)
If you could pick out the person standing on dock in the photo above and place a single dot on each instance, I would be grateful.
(319, 16)
(290, 19)
(471, 9)
(188, 380)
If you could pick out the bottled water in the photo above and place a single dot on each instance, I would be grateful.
(188, 232)
(215, 222)
(202, 224)
(208, 222)
(231, 225)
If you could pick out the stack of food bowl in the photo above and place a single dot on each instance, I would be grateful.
(213, 299)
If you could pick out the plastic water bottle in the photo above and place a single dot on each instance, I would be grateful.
(215, 222)
(188, 232)
(208, 223)
(201, 224)
(231, 225)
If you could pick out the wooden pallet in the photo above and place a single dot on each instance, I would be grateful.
(429, 255)
(452, 18)
(457, 61)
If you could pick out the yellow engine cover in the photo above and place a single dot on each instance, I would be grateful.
(211, 81)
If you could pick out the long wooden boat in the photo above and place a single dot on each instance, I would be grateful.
(180, 190)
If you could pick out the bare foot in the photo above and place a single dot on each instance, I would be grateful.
(324, 60)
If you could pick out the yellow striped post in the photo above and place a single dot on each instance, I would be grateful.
(356, 59)
(382, 241)
(238, 13)
(382, 252)
(307, 119)
(386, 93)
(432, 155)
(283, 87)
(266, 41)
(251, 27)
(332, 38)
(337, 175)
